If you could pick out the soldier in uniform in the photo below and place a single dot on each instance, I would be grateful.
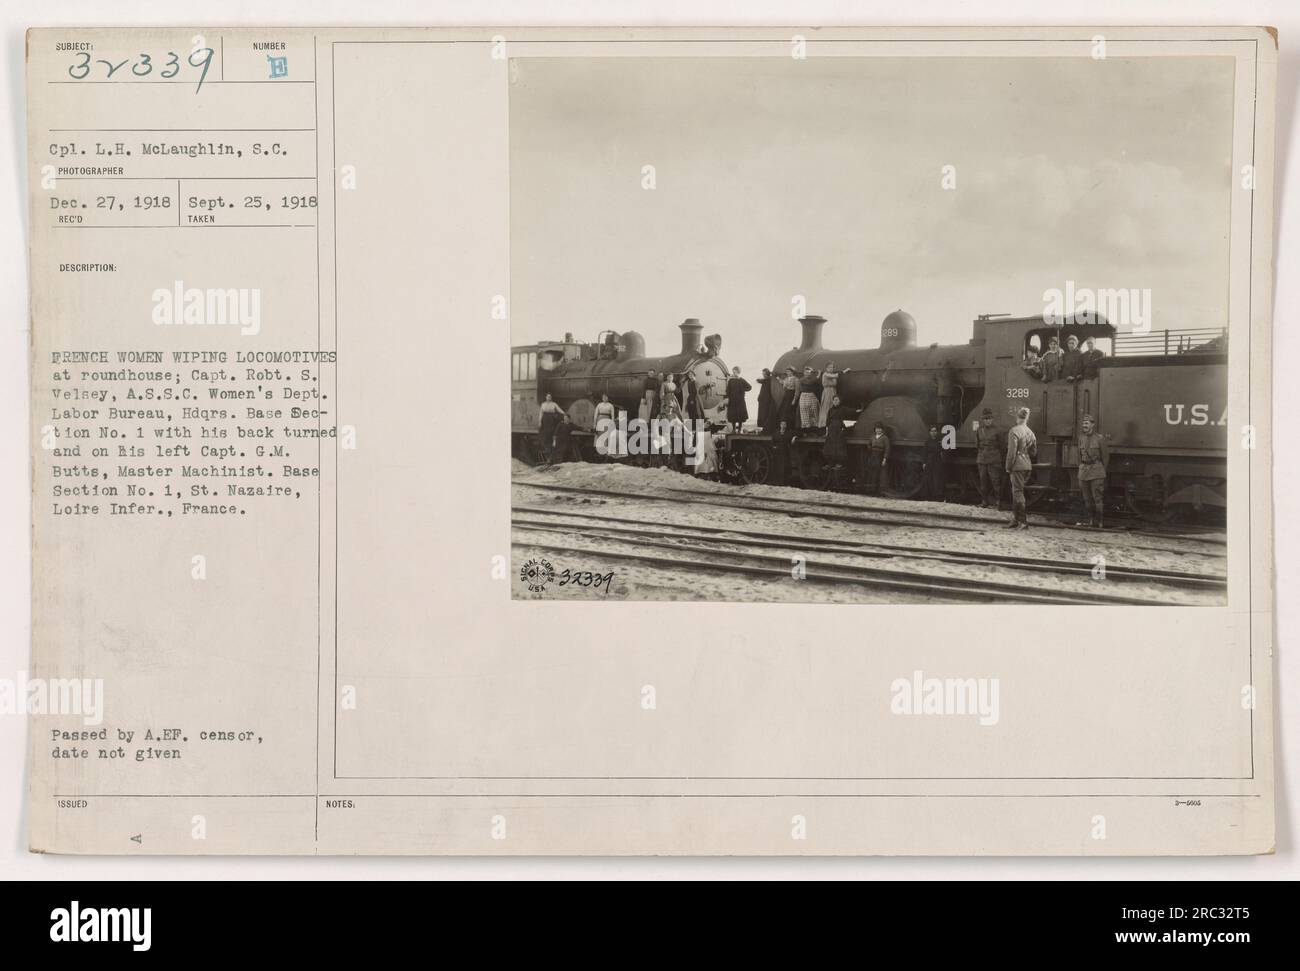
(1094, 456)
(988, 460)
(935, 477)
(1022, 449)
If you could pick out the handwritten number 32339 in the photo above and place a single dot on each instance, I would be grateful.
(143, 66)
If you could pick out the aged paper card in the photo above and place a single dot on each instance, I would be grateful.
(701, 441)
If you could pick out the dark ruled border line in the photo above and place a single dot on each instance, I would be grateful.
(315, 96)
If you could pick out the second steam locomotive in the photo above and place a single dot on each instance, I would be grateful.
(1160, 398)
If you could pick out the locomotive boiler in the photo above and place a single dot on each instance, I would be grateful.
(910, 388)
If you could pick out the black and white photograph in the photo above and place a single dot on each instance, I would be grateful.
(871, 330)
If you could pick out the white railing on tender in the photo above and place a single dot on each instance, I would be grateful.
(1170, 343)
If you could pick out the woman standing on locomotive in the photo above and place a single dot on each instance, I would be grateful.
(671, 407)
(788, 409)
(830, 378)
(694, 408)
(810, 390)
(737, 410)
(604, 413)
(607, 440)
(765, 391)
(652, 382)
(835, 450)
(550, 414)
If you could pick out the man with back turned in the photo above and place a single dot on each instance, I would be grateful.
(1022, 449)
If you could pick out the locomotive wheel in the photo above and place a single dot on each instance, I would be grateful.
(906, 478)
(530, 450)
(755, 465)
(1148, 512)
(1058, 487)
(812, 469)
(1151, 510)
(731, 465)
(856, 467)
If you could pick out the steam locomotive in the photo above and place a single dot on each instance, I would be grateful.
(575, 374)
(1160, 398)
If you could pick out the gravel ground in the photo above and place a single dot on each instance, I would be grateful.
(904, 523)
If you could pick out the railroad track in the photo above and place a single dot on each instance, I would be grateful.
(713, 499)
(872, 517)
(1203, 535)
(867, 549)
(700, 558)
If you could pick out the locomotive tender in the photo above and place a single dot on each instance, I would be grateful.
(1160, 398)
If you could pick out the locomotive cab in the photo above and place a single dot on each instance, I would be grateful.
(1016, 377)
(530, 366)
(1055, 407)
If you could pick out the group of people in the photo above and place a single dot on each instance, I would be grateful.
(806, 400)
(1071, 364)
(556, 427)
(671, 396)
(1014, 452)
(809, 404)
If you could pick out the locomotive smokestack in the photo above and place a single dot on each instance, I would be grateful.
(691, 331)
(812, 333)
